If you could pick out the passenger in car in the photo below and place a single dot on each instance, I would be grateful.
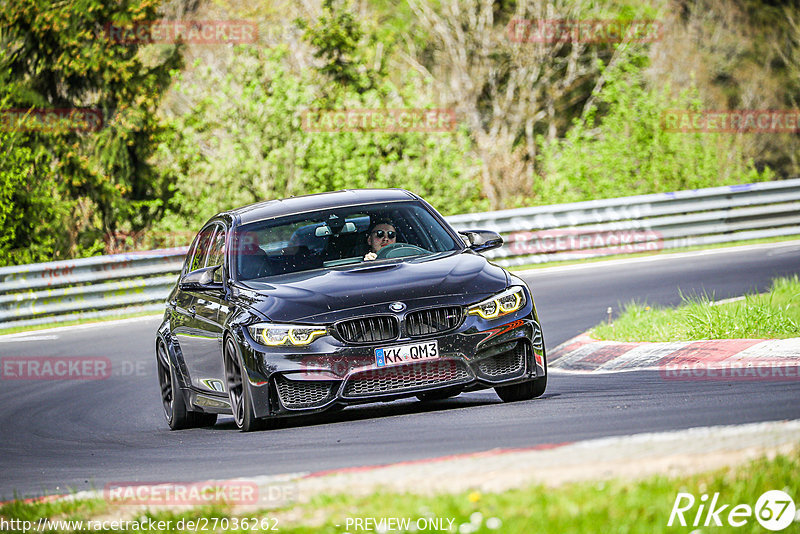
(380, 234)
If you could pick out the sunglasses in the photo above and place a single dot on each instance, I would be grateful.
(380, 233)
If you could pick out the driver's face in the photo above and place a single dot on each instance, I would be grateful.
(379, 237)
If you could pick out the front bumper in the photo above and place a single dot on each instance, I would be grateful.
(479, 354)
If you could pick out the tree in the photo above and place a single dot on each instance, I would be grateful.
(338, 42)
(57, 56)
(242, 138)
(628, 151)
(509, 86)
(740, 54)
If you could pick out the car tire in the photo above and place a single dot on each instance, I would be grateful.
(522, 391)
(238, 394)
(178, 416)
(439, 394)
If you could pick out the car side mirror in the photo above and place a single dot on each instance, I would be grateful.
(482, 240)
(200, 280)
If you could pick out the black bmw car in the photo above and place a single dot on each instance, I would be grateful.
(314, 303)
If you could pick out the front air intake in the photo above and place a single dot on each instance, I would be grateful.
(433, 320)
(368, 329)
(299, 394)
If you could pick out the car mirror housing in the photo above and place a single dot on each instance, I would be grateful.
(200, 280)
(482, 240)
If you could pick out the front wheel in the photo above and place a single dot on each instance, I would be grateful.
(175, 411)
(238, 393)
(522, 391)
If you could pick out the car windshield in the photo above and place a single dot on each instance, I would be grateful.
(338, 237)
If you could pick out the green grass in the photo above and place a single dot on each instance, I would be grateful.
(775, 314)
(592, 507)
(624, 506)
(779, 239)
(63, 509)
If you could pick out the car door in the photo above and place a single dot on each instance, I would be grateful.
(189, 330)
(181, 303)
(207, 365)
(204, 342)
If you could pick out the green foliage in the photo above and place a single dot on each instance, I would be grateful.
(337, 40)
(15, 166)
(239, 142)
(244, 141)
(625, 151)
(31, 209)
(745, 55)
(83, 185)
(241, 139)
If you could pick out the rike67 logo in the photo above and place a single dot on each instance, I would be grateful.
(774, 510)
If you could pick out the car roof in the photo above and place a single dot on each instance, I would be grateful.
(318, 201)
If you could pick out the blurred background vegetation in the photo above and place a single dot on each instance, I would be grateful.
(193, 129)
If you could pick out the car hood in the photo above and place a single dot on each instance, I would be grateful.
(329, 294)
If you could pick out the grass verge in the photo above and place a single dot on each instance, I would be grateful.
(617, 505)
(775, 314)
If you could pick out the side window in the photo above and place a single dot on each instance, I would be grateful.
(201, 250)
(187, 262)
(217, 254)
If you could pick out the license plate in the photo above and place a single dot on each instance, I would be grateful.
(428, 350)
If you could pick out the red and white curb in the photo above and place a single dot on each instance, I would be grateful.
(758, 358)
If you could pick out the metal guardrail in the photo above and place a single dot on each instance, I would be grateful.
(123, 283)
(62, 291)
(641, 223)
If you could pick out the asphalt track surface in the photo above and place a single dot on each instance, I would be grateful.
(57, 436)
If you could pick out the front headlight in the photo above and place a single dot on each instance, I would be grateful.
(501, 304)
(281, 334)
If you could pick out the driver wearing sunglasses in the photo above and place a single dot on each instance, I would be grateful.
(380, 234)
